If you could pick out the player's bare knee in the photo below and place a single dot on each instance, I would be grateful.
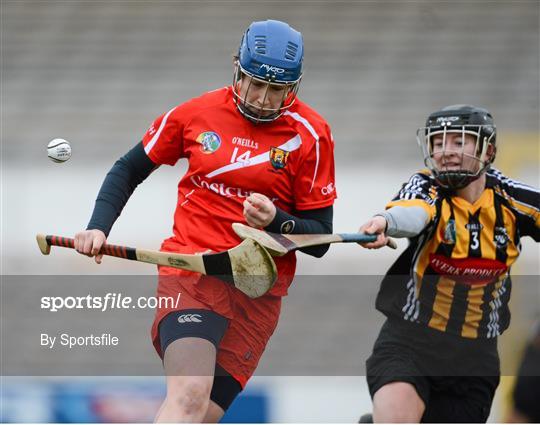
(395, 413)
(190, 396)
(397, 402)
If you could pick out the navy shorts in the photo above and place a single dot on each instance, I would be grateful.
(455, 377)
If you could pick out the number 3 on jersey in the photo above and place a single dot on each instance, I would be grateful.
(475, 243)
(240, 158)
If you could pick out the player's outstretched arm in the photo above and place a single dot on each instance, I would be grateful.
(126, 174)
(398, 222)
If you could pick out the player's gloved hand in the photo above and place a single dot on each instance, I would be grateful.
(259, 210)
(375, 226)
(89, 242)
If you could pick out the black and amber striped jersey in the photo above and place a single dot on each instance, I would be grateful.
(455, 275)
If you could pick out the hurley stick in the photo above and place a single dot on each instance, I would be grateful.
(279, 244)
(248, 266)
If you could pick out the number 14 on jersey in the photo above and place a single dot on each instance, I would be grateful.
(240, 158)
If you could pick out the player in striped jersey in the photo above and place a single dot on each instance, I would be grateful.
(256, 154)
(446, 297)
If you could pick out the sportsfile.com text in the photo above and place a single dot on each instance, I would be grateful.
(109, 301)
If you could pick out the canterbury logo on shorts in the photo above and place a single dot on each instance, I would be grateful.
(189, 318)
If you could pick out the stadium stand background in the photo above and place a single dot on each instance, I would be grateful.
(98, 73)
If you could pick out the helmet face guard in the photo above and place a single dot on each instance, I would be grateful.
(477, 162)
(462, 120)
(248, 81)
(269, 61)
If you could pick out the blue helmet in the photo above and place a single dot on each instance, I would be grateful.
(270, 52)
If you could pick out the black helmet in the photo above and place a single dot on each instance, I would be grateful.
(464, 119)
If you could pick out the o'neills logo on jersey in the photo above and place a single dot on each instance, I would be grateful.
(471, 271)
(474, 227)
(247, 143)
(220, 188)
(278, 158)
(210, 141)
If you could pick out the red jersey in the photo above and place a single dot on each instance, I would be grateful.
(290, 160)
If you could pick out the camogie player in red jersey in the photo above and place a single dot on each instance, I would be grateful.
(256, 154)
(446, 297)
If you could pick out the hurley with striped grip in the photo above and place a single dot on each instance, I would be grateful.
(247, 266)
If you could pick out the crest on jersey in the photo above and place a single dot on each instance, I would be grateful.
(450, 232)
(210, 142)
(501, 237)
(278, 158)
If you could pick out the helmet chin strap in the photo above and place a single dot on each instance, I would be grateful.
(256, 119)
(456, 179)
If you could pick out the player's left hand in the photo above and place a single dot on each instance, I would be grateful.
(375, 226)
(259, 210)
